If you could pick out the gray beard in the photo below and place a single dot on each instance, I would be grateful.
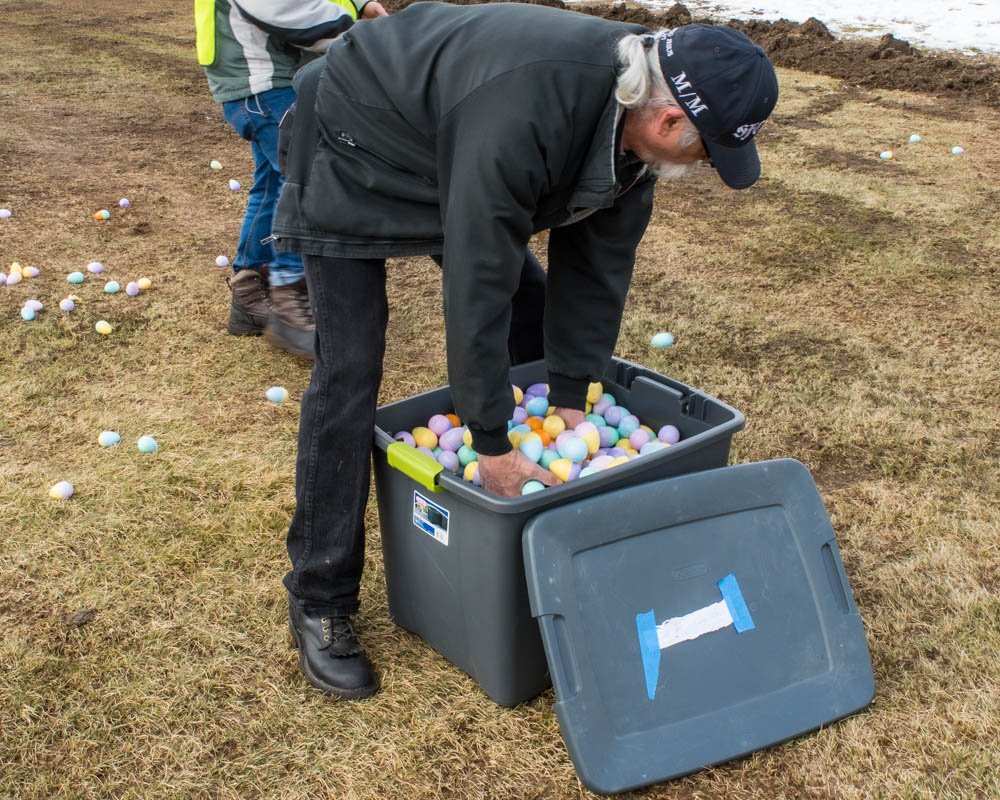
(666, 171)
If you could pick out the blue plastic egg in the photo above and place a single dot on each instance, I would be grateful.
(147, 444)
(108, 438)
(277, 394)
(531, 447)
(112, 287)
(27, 313)
(662, 340)
(537, 406)
(74, 277)
(531, 487)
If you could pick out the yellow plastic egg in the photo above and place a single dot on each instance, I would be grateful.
(594, 392)
(470, 470)
(518, 395)
(103, 327)
(588, 407)
(467, 438)
(424, 437)
(592, 438)
(515, 438)
(553, 425)
(617, 461)
(144, 283)
(560, 468)
(73, 297)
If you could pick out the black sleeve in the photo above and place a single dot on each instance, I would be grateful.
(590, 268)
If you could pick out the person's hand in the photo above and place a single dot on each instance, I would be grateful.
(506, 475)
(373, 10)
(571, 416)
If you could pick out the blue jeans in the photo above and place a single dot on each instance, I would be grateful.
(256, 119)
(326, 539)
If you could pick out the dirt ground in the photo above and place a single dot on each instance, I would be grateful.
(884, 63)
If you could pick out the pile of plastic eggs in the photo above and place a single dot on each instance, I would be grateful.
(610, 435)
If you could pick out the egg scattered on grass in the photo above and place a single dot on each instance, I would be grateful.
(277, 394)
(215, 165)
(112, 287)
(234, 184)
(143, 283)
(66, 304)
(34, 305)
(5, 213)
(3, 278)
(957, 151)
(31, 272)
(221, 261)
(914, 138)
(27, 314)
(13, 278)
(61, 491)
(101, 215)
(147, 444)
(663, 339)
(103, 327)
(74, 277)
(885, 155)
(132, 289)
(124, 203)
(95, 267)
(108, 438)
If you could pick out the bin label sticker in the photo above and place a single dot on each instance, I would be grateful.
(431, 518)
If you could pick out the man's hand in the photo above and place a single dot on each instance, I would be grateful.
(506, 475)
(571, 416)
(373, 10)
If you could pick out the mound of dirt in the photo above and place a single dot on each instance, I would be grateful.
(886, 63)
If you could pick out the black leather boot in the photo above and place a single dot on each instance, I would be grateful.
(330, 655)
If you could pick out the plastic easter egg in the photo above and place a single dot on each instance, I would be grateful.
(617, 452)
(132, 288)
(553, 426)
(61, 491)
(588, 432)
(608, 435)
(13, 278)
(27, 313)
(518, 395)
(588, 470)
(574, 448)
(639, 438)
(74, 298)
(614, 414)
(531, 447)
(424, 437)
(31, 272)
(531, 487)
(112, 287)
(594, 392)
(466, 455)
(596, 420)
(564, 469)
(537, 406)
(629, 423)
(277, 394)
(74, 277)
(108, 438)
(601, 462)
(101, 215)
(439, 423)
(663, 339)
(221, 261)
(144, 283)
(15, 267)
(652, 447)
(104, 328)
(234, 184)
(427, 451)
(448, 459)
(519, 415)
(452, 439)
(618, 462)
(914, 138)
(467, 438)
(406, 438)
(454, 420)
(669, 434)
(95, 267)
(66, 304)
(957, 151)
(3, 278)
(215, 165)
(34, 305)
(885, 155)
(547, 457)
(5, 213)
(147, 444)
(436, 452)
(124, 203)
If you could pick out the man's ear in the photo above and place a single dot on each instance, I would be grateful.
(666, 119)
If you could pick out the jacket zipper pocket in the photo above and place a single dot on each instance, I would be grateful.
(346, 138)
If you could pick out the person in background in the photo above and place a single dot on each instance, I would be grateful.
(459, 132)
(250, 50)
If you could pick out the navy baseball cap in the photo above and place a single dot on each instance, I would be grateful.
(727, 87)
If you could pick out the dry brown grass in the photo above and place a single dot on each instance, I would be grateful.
(848, 306)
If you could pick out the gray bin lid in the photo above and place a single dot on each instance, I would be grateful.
(693, 620)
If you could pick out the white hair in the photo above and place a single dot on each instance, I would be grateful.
(641, 86)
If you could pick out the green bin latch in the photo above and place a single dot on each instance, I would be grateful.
(419, 466)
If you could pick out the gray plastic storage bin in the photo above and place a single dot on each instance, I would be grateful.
(453, 559)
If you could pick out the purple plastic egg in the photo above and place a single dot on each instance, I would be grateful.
(601, 462)
(427, 451)
(613, 415)
(132, 289)
(601, 406)
(617, 452)
(406, 437)
(537, 390)
(448, 459)
(439, 423)
(519, 416)
(638, 439)
(452, 439)
(669, 434)
(608, 435)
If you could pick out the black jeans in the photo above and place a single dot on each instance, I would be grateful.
(326, 539)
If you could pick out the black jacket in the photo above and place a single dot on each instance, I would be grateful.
(463, 130)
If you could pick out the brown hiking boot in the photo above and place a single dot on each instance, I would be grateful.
(249, 310)
(291, 326)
